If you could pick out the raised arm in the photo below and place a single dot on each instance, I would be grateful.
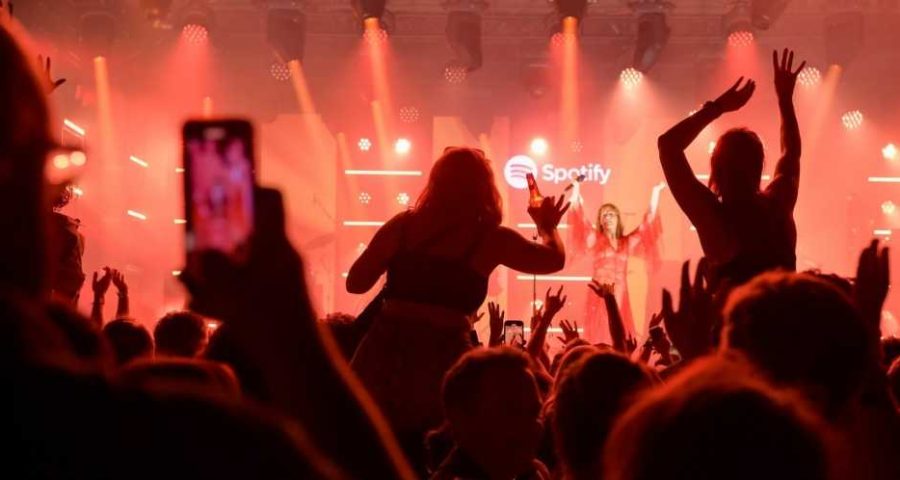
(99, 286)
(692, 196)
(373, 262)
(786, 183)
(517, 252)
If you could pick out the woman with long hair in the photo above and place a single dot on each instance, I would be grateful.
(610, 249)
(744, 230)
(437, 257)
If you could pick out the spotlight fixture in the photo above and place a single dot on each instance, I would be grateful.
(765, 12)
(738, 23)
(286, 31)
(852, 120)
(409, 114)
(571, 8)
(364, 144)
(631, 78)
(539, 146)
(156, 11)
(844, 33)
(280, 71)
(464, 32)
(455, 74)
(196, 21)
(888, 207)
(366, 9)
(889, 152)
(97, 30)
(810, 76)
(652, 32)
(402, 146)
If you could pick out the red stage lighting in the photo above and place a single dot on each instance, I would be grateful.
(539, 147)
(889, 152)
(195, 34)
(409, 114)
(402, 146)
(455, 74)
(888, 207)
(810, 77)
(280, 71)
(403, 198)
(741, 38)
(852, 120)
(364, 198)
(631, 77)
(364, 144)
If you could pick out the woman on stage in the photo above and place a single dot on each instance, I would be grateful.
(611, 248)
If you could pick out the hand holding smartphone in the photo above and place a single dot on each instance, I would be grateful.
(219, 178)
(514, 333)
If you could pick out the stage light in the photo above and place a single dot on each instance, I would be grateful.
(571, 8)
(738, 24)
(374, 36)
(76, 191)
(61, 161)
(97, 31)
(366, 9)
(364, 198)
(765, 12)
(888, 207)
(852, 120)
(286, 32)
(652, 32)
(156, 11)
(402, 146)
(809, 77)
(409, 114)
(844, 34)
(463, 32)
(364, 144)
(455, 74)
(78, 158)
(577, 146)
(403, 198)
(195, 34)
(280, 71)
(631, 78)
(136, 214)
(74, 127)
(889, 152)
(138, 161)
(539, 146)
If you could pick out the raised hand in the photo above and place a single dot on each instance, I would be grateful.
(100, 284)
(569, 330)
(690, 328)
(553, 303)
(118, 279)
(873, 279)
(496, 316)
(605, 291)
(549, 213)
(51, 84)
(737, 96)
(785, 75)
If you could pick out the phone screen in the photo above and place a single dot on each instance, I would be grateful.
(218, 180)
(514, 332)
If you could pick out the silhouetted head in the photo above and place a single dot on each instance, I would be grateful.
(25, 141)
(492, 406)
(592, 393)
(129, 340)
(461, 187)
(609, 219)
(180, 334)
(715, 420)
(736, 164)
(801, 331)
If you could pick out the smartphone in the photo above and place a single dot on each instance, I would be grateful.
(534, 195)
(219, 176)
(514, 332)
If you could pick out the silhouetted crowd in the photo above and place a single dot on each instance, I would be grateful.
(755, 371)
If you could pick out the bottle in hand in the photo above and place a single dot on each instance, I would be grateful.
(534, 195)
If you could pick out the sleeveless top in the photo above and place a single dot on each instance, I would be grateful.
(415, 275)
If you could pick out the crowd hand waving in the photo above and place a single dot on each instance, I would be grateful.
(548, 215)
(785, 75)
(100, 284)
(690, 328)
(873, 278)
(496, 317)
(737, 96)
(51, 84)
(553, 303)
(118, 279)
(606, 291)
(569, 330)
